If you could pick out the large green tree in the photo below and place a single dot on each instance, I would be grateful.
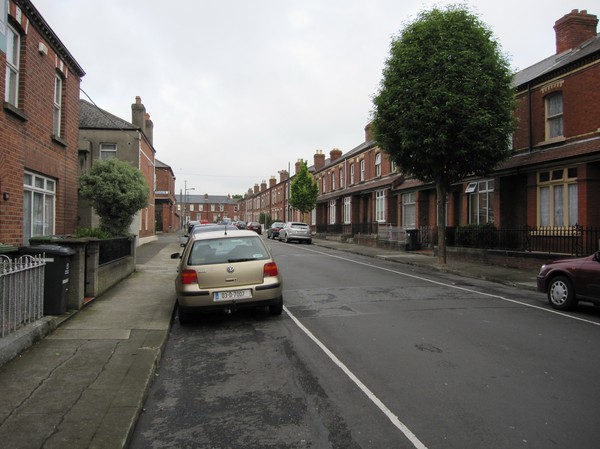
(444, 110)
(304, 191)
(116, 191)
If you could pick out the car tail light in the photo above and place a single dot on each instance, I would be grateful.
(189, 277)
(270, 269)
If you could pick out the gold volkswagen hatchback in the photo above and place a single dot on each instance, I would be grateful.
(226, 270)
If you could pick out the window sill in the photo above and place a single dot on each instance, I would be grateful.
(552, 141)
(12, 109)
(59, 140)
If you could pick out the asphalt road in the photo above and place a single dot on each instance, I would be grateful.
(374, 354)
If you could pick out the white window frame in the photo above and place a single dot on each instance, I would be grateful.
(558, 197)
(332, 212)
(554, 115)
(333, 181)
(347, 210)
(58, 92)
(362, 169)
(341, 178)
(39, 205)
(351, 174)
(13, 66)
(378, 165)
(409, 210)
(481, 196)
(380, 206)
(324, 182)
(108, 151)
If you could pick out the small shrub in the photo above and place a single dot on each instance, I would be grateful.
(92, 232)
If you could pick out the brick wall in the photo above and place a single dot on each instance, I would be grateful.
(26, 141)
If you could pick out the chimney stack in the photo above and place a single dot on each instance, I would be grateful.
(299, 163)
(335, 154)
(573, 29)
(369, 132)
(149, 130)
(138, 114)
(256, 188)
(319, 159)
(272, 182)
(283, 175)
(263, 185)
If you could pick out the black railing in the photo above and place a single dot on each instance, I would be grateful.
(573, 240)
(114, 249)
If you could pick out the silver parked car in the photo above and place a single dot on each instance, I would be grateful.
(226, 270)
(295, 230)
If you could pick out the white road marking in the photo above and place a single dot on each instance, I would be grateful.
(386, 411)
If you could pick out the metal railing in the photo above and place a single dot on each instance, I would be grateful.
(114, 249)
(21, 291)
(572, 240)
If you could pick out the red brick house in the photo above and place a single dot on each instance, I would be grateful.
(166, 215)
(39, 122)
(549, 184)
(210, 208)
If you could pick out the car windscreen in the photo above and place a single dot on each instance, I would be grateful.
(227, 250)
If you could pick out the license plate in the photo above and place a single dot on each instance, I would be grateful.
(233, 294)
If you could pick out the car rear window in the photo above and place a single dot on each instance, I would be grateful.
(227, 250)
(299, 225)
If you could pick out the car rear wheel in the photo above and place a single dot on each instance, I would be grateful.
(184, 317)
(286, 239)
(561, 293)
(277, 308)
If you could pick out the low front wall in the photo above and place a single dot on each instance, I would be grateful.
(513, 259)
(114, 272)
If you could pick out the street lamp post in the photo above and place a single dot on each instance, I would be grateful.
(185, 206)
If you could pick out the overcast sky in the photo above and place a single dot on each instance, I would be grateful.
(239, 89)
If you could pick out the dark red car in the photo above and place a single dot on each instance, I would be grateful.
(254, 226)
(570, 280)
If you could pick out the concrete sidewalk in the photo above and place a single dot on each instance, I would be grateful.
(84, 384)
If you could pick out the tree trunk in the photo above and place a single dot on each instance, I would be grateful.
(441, 191)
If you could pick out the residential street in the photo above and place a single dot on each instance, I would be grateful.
(375, 354)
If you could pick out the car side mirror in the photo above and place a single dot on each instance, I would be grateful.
(176, 255)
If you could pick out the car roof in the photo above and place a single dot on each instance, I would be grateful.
(229, 232)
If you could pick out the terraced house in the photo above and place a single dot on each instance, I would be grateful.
(543, 198)
(38, 145)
